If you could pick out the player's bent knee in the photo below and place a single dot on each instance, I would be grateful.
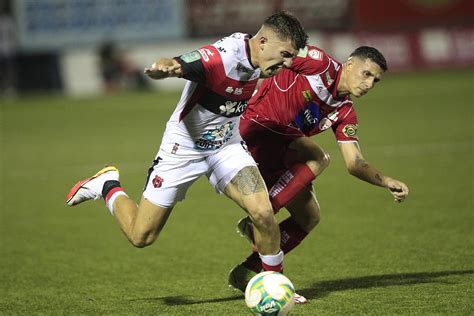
(319, 163)
(143, 241)
(262, 217)
(314, 216)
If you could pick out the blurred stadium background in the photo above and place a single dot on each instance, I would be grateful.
(56, 43)
(64, 113)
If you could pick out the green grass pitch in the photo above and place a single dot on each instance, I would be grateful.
(369, 255)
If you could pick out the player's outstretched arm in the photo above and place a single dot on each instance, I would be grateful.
(164, 68)
(362, 169)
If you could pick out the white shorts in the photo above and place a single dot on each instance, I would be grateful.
(169, 179)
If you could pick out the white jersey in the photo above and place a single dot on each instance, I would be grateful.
(221, 80)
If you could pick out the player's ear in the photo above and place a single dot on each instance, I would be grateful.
(262, 40)
(350, 63)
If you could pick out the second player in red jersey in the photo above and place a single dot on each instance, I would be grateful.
(312, 96)
(300, 102)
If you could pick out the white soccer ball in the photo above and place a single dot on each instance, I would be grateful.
(270, 293)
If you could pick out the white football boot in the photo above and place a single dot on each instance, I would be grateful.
(91, 188)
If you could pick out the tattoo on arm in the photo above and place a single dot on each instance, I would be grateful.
(360, 162)
(367, 171)
(378, 177)
(248, 181)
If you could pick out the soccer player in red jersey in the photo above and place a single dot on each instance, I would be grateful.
(312, 96)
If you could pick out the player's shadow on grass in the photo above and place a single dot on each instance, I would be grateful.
(183, 300)
(323, 288)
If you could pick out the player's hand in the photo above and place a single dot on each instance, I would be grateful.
(163, 68)
(398, 189)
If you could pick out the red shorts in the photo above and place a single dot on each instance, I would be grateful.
(268, 143)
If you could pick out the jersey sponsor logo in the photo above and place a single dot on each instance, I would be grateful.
(233, 108)
(308, 117)
(350, 130)
(315, 54)
(205, 53)
(215, 138)
(236, 91)
(307, 95)
(191, 57)
(281, 184)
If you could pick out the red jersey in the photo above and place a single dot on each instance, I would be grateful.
(303, 101)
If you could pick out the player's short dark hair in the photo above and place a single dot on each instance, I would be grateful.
(287, 26)
(367, 52)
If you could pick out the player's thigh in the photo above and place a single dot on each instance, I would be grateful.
(304, 208)
(248, 190)
(169, 179)
(225, 164)
(150, 220)
(234, 172)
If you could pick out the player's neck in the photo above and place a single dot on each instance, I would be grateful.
(342, 87)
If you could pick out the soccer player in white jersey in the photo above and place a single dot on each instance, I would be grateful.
(202, 137)
(312, 96)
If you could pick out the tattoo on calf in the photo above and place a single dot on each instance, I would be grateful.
(248, 181)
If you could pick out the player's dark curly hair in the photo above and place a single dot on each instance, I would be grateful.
(371, 53)
(287, 26)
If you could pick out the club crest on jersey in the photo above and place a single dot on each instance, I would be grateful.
(315, 54)
(350, 130)
(215, 138)
(157, 182)
(307, 95)
(325, 124)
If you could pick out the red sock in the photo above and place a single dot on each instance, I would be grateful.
(290, 184)
(291, 236)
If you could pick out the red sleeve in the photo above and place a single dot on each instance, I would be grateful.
(346, 127)
(310, 61)
(213, 65)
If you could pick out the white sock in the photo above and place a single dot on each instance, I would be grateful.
(272, 260)
(110, 202)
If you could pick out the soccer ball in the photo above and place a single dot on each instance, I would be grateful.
(270, 293)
